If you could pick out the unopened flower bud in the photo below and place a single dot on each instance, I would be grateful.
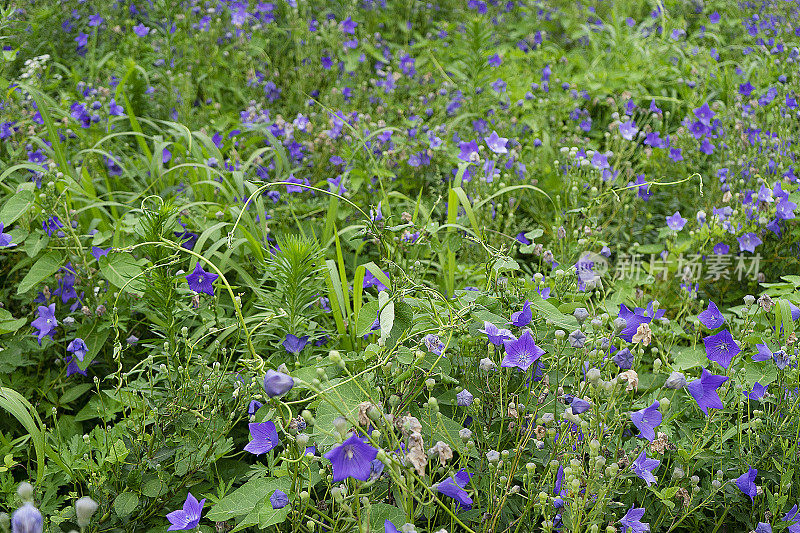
(84, 510)
(487, 365)
(341, 424)
(676, 380)
(302, 440)
(277, 383)
(25, 492)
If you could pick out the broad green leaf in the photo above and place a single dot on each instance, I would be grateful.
(550, 312)
(117, 453)
(505, 264)
(43, 268)
(783, 315)
(35, 244)
(764, 372)
(381, 512)
(15, 207)
(267, 516)
(794, 280)
(121, 270)
(731, 431)
(73, 393)
(342, 397)
(437, 427)
(366, 317)
(534, 234)
(126, 503)
(686, 358)
(244, 500)
(153, 488)
(104, 408)
(651, 248)
(669, 493)
(403, 320)
(7, 322)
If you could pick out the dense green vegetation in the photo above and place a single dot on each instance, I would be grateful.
(379, 265)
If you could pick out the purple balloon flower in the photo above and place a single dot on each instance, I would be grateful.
(495, 334)
(757, 393)
(704, 391)
(746, 483)
(26, 519)
(781, 359)
(349, 26)
(467, 149)
(711, 317)
(496, 143)
(464, 398)
(78, 348)
(705, 114)
(623, 359)
(72, 367)
(265, 437)
(522, 352)
(98, 252)
(632, 521)
(277, 383)
(141, 30)
(294, 344)
(633, 319)
(254, 406)
(676, 222)
(5, 238)
(721, 248)
(114, 109)
(748, 242)
(764, 353)
(352, 458)
(454, 488)
(433, 343)
(201, 281)
(793, 516)
(646, 420)
(721, 348)
(389, 527)
(643, 467)
(628, 130)
(279, 499)
(580, 405)
(371, 281)
(51, 225)
(46, 322)
(522, 318)
(189, 516)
